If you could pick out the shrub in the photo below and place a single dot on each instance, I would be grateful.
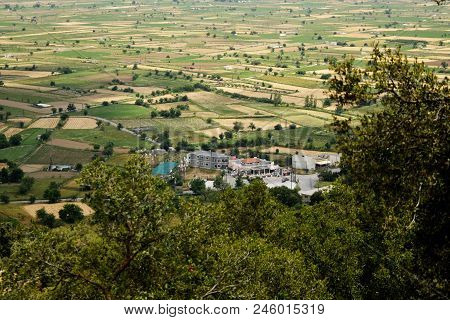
(71, 213)
(4, 198)
(52, 193)
(45, 218)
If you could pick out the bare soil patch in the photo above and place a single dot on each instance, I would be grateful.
(12, 131)
(80, 123)
(248, 110)
(209, 98)
(24, 106)
(45, 123)
(29, 74)
(213, 132)
(193, 173)
(206, 114)
(121, 150)
(29, 168)
(69, 144)
(9, 84)
(22, 119)
(52, 174)
(53, 208)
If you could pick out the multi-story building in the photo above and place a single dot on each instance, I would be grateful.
(207, 160)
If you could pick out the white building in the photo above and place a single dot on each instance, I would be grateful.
(207, 160)
(288, 182)
(334, 158)
(254, 167)
(43, 105)
(303, 162)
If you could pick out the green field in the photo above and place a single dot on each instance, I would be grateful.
(29, 144)
(15, 112)
(13, 213)
(120, 111)
(57, 155)
(16, 153)
(97, 136)
(28, 96)
(39, 186)
(255, 49)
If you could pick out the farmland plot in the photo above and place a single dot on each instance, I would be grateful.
(80, 123)
(54, 208)
(263, 123)
(45, 123)
(12, 131)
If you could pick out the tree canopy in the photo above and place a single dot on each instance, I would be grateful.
(397, 161)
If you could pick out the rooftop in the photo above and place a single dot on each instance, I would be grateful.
(43, 105)
(251, 161)
(208, 153)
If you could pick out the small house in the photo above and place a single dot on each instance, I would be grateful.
(60, 167)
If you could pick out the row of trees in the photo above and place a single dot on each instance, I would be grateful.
(70, 214)
(171, 113)
(70, 108)
(11, 173)
(14, 140)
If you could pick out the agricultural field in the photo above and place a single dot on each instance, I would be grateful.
(129, 73)
(54, 208)
(100, 136)
(45, 123)
(28, 145)
(14, 213)
(42, 181)
(80, 124)
(119, 112)
(59, 155)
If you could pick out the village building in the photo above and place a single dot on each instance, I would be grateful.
(43, 105)
(255, 167)
(207, 160)
(304, 162)
(332, 158)
(60, 167)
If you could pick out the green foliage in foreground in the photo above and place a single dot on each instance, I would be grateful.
(147, 243)
(381, 232)
(397, 161)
